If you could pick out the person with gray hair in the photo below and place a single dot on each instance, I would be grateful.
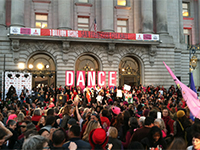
(35, 142)
(159, 122)
(141, 121)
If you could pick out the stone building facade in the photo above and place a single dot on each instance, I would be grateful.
(136, 62)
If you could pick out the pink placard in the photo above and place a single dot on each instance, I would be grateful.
(101, 78)
(112, 77)
(80, 80)
(69, 78)
(91, 78)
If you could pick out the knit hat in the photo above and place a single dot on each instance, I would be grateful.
(116, 110)
(106, 120)
(11, 117)
(180, 114)
(98, 138)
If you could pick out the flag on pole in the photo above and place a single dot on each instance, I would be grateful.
(95, 26)
(192, 87)
(189, 95)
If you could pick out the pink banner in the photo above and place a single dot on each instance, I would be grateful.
(188, 95)
(69, 78)
(80, 79)
(101, 78)
(112, 78)
(91, 78)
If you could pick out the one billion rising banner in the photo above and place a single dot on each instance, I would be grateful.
(82, 34)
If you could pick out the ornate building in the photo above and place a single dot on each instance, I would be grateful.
(136, 61)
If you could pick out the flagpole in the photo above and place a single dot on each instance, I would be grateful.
(91, 26)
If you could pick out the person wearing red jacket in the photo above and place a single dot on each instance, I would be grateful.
(36, 116)
(168, 121)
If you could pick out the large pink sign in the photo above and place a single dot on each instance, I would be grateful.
(101, 78)
(91, 78)
(112, 78)
(69, 78)
(80, 79)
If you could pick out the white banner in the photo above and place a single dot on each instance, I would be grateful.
(19, 83)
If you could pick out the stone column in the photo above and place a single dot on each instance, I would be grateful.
(64, 14)
(2, 13)
(161, 16)
(107, 17)
(17, 13)
(147, 16)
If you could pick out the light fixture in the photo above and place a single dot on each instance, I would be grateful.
(193, 61)
(123, 69)
(92, 69)
(30, 66)
(9, 75)
(34, 75)
(17, 75)
(42, 75)
(40, 66)
(26, 75)
(46, 66)
(21, 66)
(60, 97)
(51, 75)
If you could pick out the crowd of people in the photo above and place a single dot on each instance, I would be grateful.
(111, 118)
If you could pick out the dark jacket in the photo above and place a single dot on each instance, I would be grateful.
(149, 144)
(12, 139)
(81, 145)
(139, 134)
(117, 144)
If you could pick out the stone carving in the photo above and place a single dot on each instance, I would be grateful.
(111, 50)
(152, 54)
(41, 46)
(66, 46)
(31, 47)
(15, 45)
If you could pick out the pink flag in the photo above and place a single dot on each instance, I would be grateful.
(188, 95)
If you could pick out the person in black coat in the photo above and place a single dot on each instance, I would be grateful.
(113, 134)
(154, 139)
(12, 126)
(74, 135)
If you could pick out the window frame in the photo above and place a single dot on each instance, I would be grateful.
(82, 2)
(41, 21)
(123, 5)
(188, 10)
(83, 23)
(121, 26)
(189, 34)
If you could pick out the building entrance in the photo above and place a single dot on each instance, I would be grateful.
(129, 72)
(43, 70)
(87, 63)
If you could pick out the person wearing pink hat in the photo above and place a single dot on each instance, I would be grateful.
(12, 117)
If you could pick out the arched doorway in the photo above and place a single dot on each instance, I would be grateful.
(87, 63)
(129, 71)
(43, 69)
